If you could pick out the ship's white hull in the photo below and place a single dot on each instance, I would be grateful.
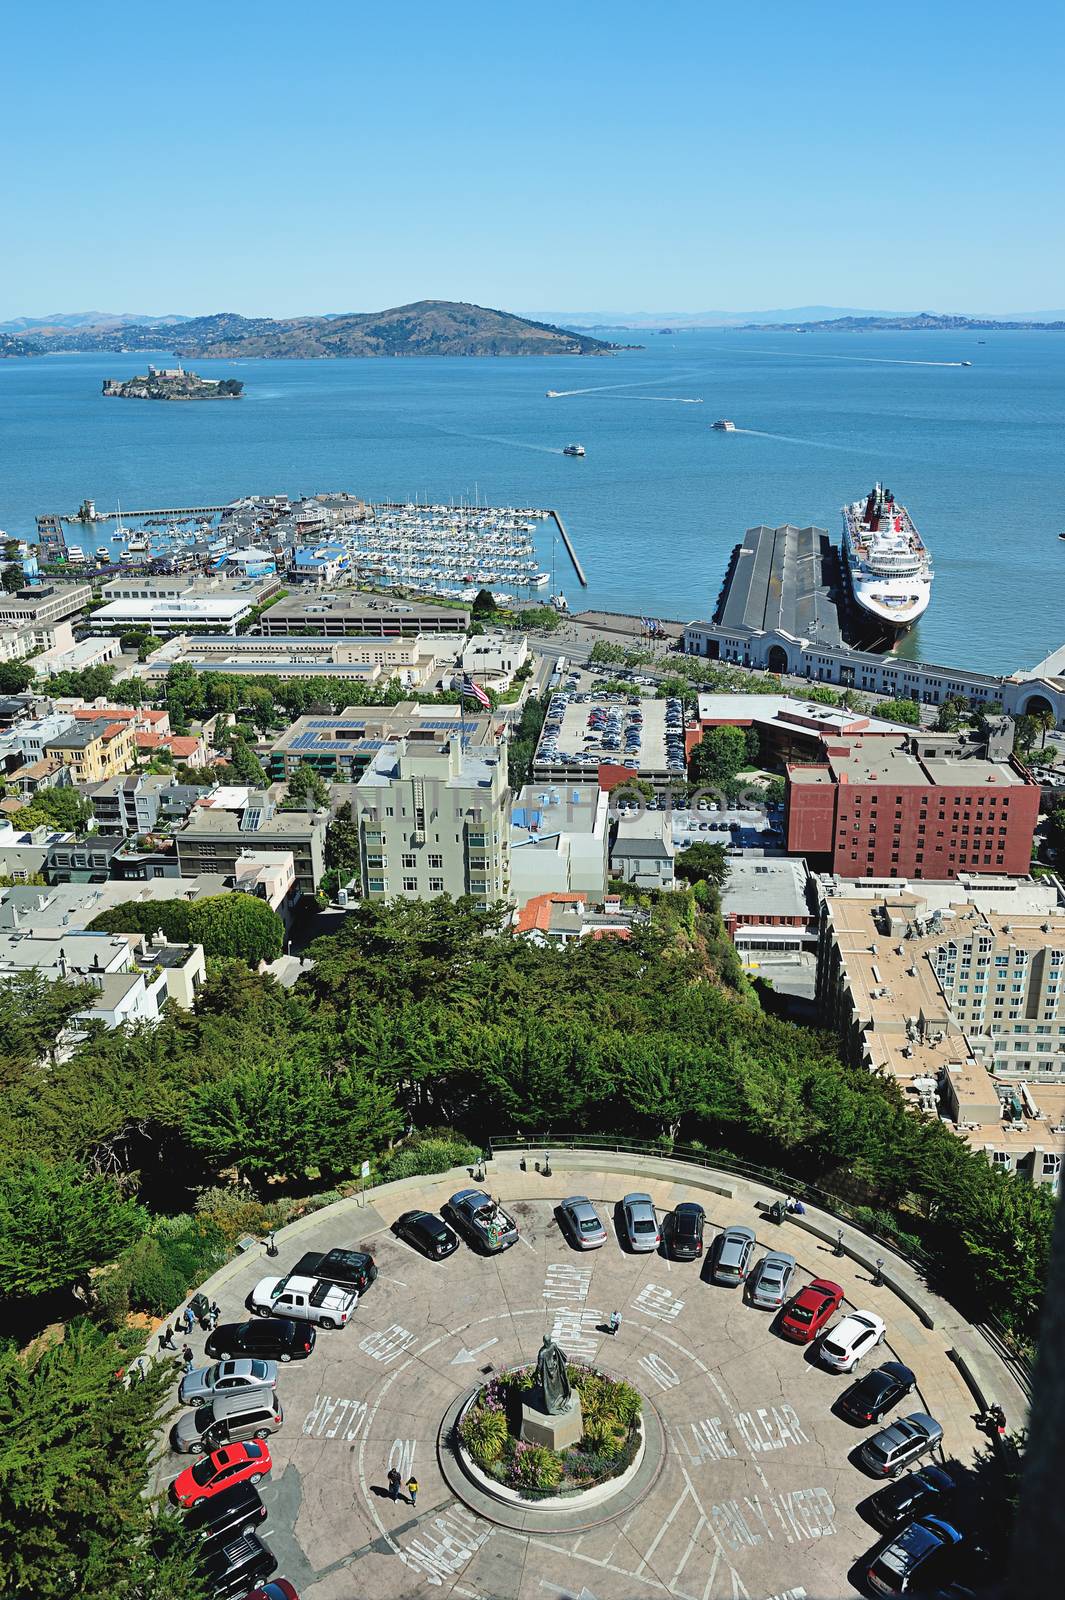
(895, 602)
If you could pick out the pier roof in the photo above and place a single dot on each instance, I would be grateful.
(783, 578)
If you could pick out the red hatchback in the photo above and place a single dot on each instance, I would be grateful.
(810, 1310)
(236, 1463)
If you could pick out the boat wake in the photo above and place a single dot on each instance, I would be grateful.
(664, 399)
(603, 388)
(494, 438)
(788, 438)
(880, 361)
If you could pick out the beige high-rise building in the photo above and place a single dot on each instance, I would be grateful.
(434, 818)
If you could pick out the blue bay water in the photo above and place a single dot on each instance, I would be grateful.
(659, 500)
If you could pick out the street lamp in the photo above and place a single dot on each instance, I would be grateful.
(271, 1247)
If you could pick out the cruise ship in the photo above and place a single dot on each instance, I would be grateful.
(889, 565)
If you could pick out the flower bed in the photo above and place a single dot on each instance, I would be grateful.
(491, 1425)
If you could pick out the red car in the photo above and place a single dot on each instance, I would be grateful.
(276, 1589)
(236, 1463)
(810, 1310)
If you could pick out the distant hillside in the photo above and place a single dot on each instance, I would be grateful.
(60, 320)
(427, 328)
(12, 346)
(907, 323)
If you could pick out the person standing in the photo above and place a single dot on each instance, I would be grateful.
(615, 1323)
(186, 1356)
(394, 1482)
(412, 1489)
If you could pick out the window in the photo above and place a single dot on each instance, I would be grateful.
(409, 860)
(436, 862)
(410, 885)
(436, 885)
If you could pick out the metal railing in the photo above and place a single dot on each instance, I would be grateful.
(993, 1330)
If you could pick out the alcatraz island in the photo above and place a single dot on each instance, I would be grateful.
(172, 383)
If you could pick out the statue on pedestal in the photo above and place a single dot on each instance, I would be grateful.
(552, 1378)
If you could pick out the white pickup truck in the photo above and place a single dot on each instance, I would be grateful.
(304, 1300)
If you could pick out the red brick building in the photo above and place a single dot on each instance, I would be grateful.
(872, 808)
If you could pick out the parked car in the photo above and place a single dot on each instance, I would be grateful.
(278, 1589)
(237, 1509)
(236, 1463)
(483, 1220)
(244, 1414)
(202, 1384)
(582, 1222)
(278, 1338)
(317, 1300)
(844, 1345)
(354, 1269)
(929, 1489)
(640, 1223)
(923, 1555)
(900, 1444)
(770, 1282)
(426, 1232)
(684, 1231)
(230, 1567)
(869, 1398)
(730, 1256)
(810, 1310)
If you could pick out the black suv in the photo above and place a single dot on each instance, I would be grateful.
(234, 1567)
(237, 1509)
(275, 1337)
(927, 1492)
(428, 1233)
(354, 1269)
(684, 1231)
(876, 1393)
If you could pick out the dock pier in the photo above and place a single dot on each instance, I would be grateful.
(578, 569)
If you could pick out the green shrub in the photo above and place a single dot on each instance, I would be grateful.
(428, 1155)
(233, 1212)
(484, 1433)
(536, 1467)
(166, 1263)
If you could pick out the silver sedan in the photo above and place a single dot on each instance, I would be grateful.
(770, 1283)
(581, 1221)
(204, 1383)
(641, 1225)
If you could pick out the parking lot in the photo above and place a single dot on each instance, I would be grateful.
(585, 727)
(759, 1494)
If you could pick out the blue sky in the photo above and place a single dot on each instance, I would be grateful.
(277, 159)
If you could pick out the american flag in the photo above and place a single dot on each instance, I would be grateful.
(473, 691)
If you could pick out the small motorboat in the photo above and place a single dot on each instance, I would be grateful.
(723, 425)
(573, 450)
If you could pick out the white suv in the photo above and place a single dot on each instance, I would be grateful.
(844, 1345)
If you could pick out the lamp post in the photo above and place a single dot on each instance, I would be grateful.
(271, 1247)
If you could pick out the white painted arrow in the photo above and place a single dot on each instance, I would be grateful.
(465, 1355)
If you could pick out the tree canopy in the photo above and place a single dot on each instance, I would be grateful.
(229, 925)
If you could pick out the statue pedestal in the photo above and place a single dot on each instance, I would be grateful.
(557, 1432)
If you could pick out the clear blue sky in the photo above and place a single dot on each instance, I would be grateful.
(275, 158)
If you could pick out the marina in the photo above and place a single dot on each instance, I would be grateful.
(450, 551)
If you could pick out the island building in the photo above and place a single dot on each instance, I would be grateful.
(782, 610)
(434, 818)
(42, 605)
(956, 991)
(342, 745)
(348, 614)
(414, 659)
(919, 805)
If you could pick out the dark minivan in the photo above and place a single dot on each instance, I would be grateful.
(279, 1338)
(684, 1232)
(354, 1269)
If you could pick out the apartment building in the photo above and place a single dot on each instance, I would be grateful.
(138, 802)
(877, 808)
(131, 975)
(342, 745)
(412, 658)
(493, 659)
(434, 818)
(95, 750)
(215, 837)
(956, 991)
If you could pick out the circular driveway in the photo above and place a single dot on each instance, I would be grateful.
(757, 1495)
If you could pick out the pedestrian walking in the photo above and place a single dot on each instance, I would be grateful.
(190, 1319)
(166, 1339)
(615, 1323)
(187, 1357)
(412, 1489)
(394, 1482)
(215, 1313)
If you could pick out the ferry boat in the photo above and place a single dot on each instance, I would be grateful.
(573, 450)
(723, 425)
(889, 565)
